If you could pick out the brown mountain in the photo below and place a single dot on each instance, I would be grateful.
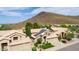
(49, 18)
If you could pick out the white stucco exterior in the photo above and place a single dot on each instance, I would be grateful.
(20, 43)
(16, 40)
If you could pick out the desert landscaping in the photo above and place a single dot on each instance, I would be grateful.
(36, 37)
(41, 31)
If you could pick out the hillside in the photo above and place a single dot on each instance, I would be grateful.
(48, 18)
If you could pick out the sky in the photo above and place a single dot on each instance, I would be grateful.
(18, 14)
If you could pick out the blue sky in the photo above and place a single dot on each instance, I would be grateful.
(18, 14)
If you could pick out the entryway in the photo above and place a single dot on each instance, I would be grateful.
(4, 46)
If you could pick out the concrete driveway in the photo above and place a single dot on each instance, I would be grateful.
(74, 47)
(71, 46)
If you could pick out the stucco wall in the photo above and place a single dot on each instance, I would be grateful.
(21, 47)
(54, 41)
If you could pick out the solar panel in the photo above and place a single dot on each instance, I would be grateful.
(43, 30)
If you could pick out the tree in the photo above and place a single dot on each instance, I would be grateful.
(28, 27)
(77, 31)
(69, 36)
(63, 25)
(5, 27)
(29, 24)
(72, 28)
(48, 26)
(36, 25)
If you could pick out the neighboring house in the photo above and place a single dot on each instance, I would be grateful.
(34, 31)
(41, 34)
(59, 31)
(14, 40)
(51, 35)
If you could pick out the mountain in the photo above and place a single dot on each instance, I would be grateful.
(48, 18)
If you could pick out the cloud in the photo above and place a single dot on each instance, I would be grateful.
(11, 8)
(7, 13)
(59, 10)
(23, 13)
(62, 10)
(26, 11)
(17, 11)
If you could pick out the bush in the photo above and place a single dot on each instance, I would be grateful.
(34, 49)
(63, 25)
(36, 25)
(63, 41)
(69, 36)
(77, 31)
(35, 44)
(5, 27)
(46, 45)
(48, 26)
(39, 41)
(72, 28)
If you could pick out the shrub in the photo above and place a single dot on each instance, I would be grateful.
(63, 41)
(46, 45)
(5, 27)
(35, 44)
(69, 36)
(48, 26)
(34, 49)
(72, 28)
(39, 41)
(63, 25)
(36, 25)
(77, 31)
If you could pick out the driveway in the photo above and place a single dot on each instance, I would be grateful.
(74, 47)
(71, 46)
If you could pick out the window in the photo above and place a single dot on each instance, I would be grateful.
(20, 36)
(10, 41)
(44, 37)
(62, 34)
(15, 38)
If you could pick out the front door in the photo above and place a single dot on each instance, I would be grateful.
(4, 46)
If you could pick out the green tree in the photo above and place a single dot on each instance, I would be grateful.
(48, 26)
(29, 24)
(72, 28)
(28, 27)
(36, 25)
(69, 36)
(63, 25)
(5, 27)
(77, 30)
